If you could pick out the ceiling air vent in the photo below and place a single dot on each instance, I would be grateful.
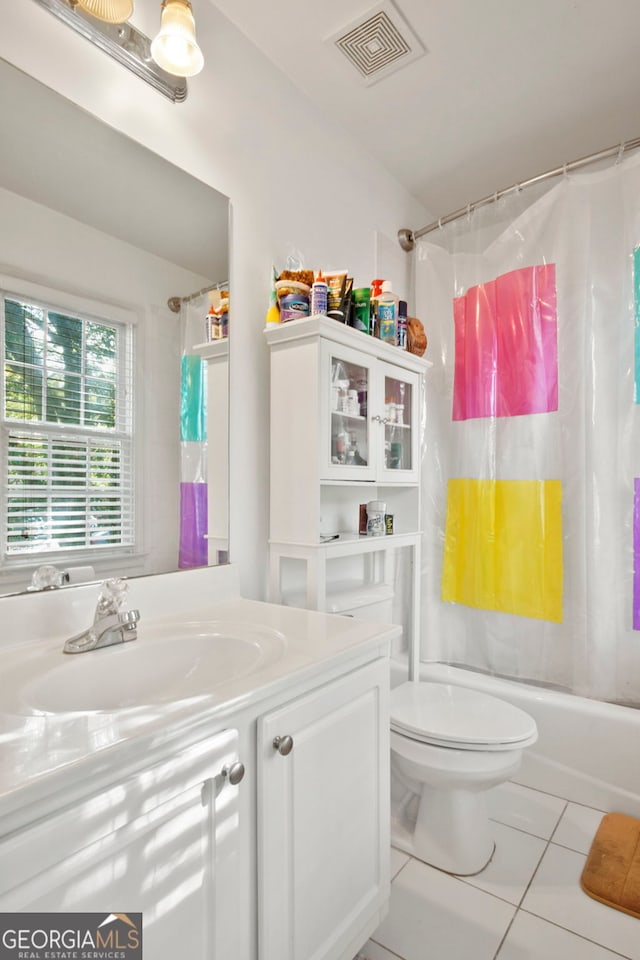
(378, 43)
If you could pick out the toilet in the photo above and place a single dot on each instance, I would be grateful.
(449, 745)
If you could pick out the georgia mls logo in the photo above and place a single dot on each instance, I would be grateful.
(70, 936)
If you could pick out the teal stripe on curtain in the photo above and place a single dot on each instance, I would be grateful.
(193, 406)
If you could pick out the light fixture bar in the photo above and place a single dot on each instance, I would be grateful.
(123, 42)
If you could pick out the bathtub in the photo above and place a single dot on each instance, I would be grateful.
(587, 751)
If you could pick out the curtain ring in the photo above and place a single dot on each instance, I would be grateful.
(565, 172)
(518, 188)
(469, 211)
(440, 223)
(620, 151)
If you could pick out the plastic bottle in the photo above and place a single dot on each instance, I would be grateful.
(376, 290)
(376, 510)
(401, 329)
(319, 294)
(273, 313)
(388, 313)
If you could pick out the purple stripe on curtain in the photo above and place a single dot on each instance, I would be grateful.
(636, 554)
(194, 550)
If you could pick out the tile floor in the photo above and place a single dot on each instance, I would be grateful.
(526, 905)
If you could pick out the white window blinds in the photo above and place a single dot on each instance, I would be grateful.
(66, 430)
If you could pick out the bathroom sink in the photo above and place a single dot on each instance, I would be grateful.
(166, 664)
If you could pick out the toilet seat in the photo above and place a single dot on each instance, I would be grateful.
(445, 715)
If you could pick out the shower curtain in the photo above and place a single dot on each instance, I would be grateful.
(531, 457)
(193, 550)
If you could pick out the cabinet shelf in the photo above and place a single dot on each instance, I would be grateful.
(350, 543)
(348, 416)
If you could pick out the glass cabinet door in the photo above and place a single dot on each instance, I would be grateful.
(400, 405)
(347, 440)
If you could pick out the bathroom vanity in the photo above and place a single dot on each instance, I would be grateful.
(241, 805)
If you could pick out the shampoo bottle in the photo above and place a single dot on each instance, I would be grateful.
(388, 313)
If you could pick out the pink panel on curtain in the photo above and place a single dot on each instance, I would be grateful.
(506, 341)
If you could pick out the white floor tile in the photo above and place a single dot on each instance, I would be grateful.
(433, 914)
(525, 809)
(398, 860)
(577, 827)
(530, 938)
(373, 951)
(555, 894)
(515, 859)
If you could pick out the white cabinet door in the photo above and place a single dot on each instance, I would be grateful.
(398, 420)
(323, 819)
(161, 842)
(346, 383)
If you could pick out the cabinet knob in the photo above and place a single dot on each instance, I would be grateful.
(284, 745)
(233, 772)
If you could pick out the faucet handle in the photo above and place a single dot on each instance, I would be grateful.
(112, 596)
(47, 577)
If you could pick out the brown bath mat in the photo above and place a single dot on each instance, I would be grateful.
(612, 871)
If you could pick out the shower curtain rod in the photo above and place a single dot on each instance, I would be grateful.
(174, 303)
(407, 238)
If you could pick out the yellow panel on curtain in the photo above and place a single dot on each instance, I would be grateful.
(503, 546)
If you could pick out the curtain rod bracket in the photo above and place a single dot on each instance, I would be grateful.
(406, 239)
(174, 304)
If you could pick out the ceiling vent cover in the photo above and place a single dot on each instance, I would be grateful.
(378, 43)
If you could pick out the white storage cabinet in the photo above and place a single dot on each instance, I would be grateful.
(345, 429)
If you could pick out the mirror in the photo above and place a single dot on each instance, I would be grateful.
(97, 234)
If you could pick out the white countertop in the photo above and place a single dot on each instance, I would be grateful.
(41, 754)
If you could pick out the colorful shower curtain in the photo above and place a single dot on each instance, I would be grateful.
(193, 440)
(531, 459)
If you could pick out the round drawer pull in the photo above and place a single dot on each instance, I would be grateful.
(233, 772)
(284, 745)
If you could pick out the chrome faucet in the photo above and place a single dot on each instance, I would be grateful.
(111, 624)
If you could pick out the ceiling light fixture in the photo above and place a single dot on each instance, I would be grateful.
(122, 41)
(175, 48)
(111, 11)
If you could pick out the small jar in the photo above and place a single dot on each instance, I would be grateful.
(376, 510)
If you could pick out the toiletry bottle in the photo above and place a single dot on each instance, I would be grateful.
(319, 292)
(273, 313)
(401, 330)
(376, 290)
(388, 313)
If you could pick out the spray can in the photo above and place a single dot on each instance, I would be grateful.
(401, 329)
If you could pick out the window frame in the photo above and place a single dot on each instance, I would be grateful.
(52, 299)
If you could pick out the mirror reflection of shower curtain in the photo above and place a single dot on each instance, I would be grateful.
(532, 441)
(193, 439)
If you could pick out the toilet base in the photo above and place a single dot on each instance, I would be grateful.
(451, 832)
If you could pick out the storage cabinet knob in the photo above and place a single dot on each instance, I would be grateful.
(284, 745)
(233, 772)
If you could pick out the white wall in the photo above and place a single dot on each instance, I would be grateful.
(54, 251)
(294, 179)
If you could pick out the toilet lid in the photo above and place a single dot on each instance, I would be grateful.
(444, 714)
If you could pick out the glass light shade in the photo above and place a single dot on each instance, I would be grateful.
(175, 48)
(111, 11)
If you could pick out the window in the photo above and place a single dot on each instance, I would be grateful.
(67, 446)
